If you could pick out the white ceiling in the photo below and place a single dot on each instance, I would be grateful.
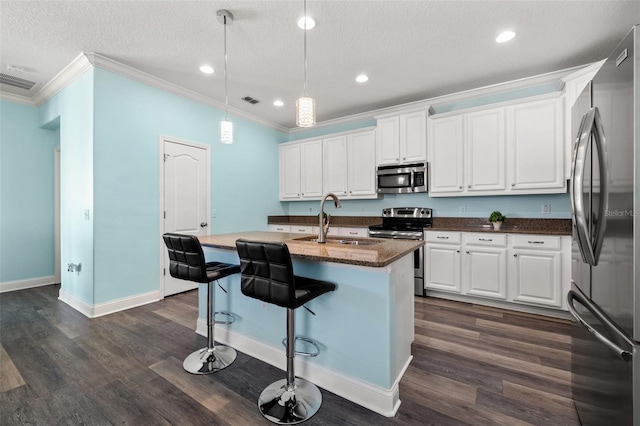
(411, 50)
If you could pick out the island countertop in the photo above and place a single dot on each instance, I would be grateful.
(381, 254)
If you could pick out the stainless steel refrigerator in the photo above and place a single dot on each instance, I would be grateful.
(605, 196)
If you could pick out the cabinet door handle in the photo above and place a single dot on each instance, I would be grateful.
(485, 239)
(467, 251)
(442, 238)
(460, 187)
(513, 184)
(457, 251)
(515, 255)
(353, 233)
(203, 224)
(535, 242)
(468, 186)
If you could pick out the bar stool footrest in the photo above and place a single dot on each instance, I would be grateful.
(306, 340)
(231, 320)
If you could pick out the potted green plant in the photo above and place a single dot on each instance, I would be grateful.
(496, 218)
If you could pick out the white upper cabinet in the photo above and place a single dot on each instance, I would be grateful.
(335, 165)
(446, 161)
(485, 150)
(361, 155)
(517, 149)
(349, 165)
(301, 170)
(402, 138)
(311, 169)
(289, 172)
(344, 164)
(413, 137)
(535, 135)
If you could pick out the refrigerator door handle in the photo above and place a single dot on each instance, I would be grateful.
(571, 296)
(577, 181)
(601, 145)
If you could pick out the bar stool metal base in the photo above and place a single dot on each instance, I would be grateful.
(288, 407)
(209, 360)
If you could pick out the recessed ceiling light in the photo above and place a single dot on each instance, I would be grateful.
(278, 103)
(505, 36)
(207, 69)
(306, 22)
(362, 78)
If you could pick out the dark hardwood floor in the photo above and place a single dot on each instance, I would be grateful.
(472, 365)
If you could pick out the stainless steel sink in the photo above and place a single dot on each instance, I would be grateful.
(344, 241)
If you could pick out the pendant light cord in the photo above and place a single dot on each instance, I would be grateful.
(304, 92)
(226, 90)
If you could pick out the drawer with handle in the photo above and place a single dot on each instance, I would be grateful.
(442, 237)
(485, 239)
(541, 242)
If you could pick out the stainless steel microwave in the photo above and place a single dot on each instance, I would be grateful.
(402, 178)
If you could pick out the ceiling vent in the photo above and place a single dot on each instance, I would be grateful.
(16, 81)
(251, 100)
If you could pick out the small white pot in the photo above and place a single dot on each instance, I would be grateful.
(497, 225)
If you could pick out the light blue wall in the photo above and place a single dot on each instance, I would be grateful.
(522, 206)
(72, 110)
(26, 194)
(129, 118)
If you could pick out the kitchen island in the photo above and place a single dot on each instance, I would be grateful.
(364, 329)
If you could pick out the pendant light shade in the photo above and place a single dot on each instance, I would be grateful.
(226, 132)
(306, 112)
(226, 127)
(305, 105)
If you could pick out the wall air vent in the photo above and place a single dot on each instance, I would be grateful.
(251, 100)
(16, 81)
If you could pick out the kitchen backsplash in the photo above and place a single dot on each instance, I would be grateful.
(522, 206)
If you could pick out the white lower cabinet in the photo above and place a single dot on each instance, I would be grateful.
(532, 270)
(536, 269)
(442, 261)
(279, 228)
(485, 265)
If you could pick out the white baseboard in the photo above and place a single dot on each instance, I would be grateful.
(375, 398)
(77, 304)
(30, 283)
(94, 311)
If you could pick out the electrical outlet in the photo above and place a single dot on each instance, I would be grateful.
(463, 209)
(546, 208)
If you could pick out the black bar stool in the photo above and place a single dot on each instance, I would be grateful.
(187, 263)
(267, 275)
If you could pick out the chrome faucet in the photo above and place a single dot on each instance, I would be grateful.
(324, 224)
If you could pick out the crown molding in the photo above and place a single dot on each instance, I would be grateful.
(109, 64)
(587, 69)
(76, 67)
(18, 99)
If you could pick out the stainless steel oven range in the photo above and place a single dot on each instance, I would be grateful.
(406, 223)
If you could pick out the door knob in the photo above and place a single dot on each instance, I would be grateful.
(203, 224)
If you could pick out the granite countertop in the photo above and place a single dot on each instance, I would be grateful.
(385, 252)
(459, 224)
(510, 226)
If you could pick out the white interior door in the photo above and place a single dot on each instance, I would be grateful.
(186, 199)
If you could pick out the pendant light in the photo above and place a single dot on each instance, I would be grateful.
(305, 106)
(226, 127)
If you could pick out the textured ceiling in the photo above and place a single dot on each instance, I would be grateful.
(411, 50)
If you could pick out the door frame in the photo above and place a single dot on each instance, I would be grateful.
(56, 217)
(161, 247)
